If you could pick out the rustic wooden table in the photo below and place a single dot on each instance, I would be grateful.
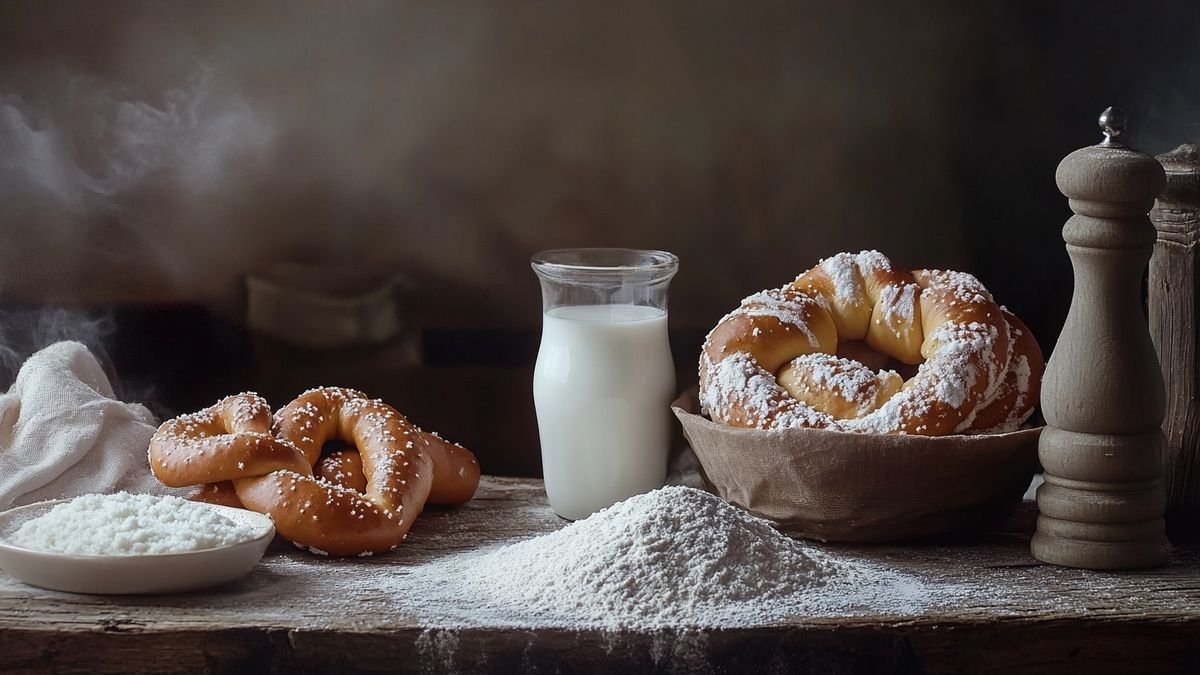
(299, 613)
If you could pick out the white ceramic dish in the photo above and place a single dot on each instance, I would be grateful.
(128, 574)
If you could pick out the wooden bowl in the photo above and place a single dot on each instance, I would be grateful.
(840, 486)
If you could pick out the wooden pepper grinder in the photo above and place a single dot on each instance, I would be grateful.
(1102, 503)
(1174, 286)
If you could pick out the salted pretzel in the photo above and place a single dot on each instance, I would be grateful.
(305, 422)
(793, 356)
(245, 456)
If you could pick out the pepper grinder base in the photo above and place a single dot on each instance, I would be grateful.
(1100, 555)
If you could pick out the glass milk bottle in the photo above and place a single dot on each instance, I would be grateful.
(604, 378)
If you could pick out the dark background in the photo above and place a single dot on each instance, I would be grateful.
(152, 154)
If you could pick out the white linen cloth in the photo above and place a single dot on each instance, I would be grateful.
(62, 433)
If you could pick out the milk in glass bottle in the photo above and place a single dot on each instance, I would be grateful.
(604, 378)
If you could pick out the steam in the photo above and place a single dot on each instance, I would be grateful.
(25, 331)
(94, 145)
(81, 159)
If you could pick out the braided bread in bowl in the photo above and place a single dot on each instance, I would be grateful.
(780, 359)
(864, 402)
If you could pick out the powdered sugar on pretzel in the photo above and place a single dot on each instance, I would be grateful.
(779, 360)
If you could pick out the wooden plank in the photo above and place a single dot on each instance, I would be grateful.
(300, 613)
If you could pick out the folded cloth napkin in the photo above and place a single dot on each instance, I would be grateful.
(63, 434)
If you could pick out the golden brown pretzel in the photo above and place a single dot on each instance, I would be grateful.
(239, 440)
(307, 422)
(231, 438)
(772, 363)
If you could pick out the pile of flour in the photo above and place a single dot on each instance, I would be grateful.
(129, 524)
(677, 556)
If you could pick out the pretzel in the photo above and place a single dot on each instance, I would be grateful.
(780, 359)
(245, 456)
(305, 423)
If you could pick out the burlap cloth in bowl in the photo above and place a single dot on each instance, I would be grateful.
(840, 486)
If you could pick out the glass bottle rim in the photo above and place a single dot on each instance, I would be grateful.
(560, 262)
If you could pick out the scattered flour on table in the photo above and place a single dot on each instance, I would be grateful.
(673, 557)
(129, 524)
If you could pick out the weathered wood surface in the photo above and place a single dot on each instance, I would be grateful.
(1173, 297)
(300, 613)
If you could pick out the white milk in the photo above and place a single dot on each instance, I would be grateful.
(603, 387)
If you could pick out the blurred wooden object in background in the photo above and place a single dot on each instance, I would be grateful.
(1173, 297)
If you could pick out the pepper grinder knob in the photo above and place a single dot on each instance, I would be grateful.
(1112, 124)
(1102, 504)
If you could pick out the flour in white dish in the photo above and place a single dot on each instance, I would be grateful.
(129, 524)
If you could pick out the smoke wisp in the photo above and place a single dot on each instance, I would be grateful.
(92, 145)
(25, 331)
